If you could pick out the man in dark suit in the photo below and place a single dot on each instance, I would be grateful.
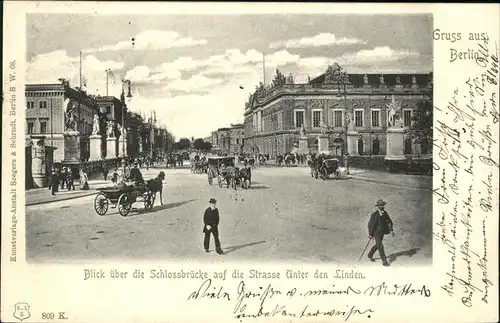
(211, 225)
(380, 224)
(136, 175)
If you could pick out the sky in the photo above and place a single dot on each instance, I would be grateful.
(190, 68)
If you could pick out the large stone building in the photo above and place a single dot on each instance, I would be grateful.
(55, 112)
(276, 115)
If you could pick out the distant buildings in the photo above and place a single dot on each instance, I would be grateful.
(228, 140)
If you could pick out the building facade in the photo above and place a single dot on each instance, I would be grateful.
(276, 115)
(236, 138)
(48, 108)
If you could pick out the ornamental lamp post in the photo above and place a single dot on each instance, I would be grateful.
(124, 105)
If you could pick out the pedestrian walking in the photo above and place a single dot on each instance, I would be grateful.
(84, 181)
(54, 181)
(69, 180)
(211, 226)
(62, 176)
(105, 171)
(380, 224)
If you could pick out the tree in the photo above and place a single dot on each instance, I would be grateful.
(199, 144)
(184, 143)
(207, 145)
(422, 125)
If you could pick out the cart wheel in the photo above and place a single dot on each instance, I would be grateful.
(124, 204)
(149, 201)
(101, 204)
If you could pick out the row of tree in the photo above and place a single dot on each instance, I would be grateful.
(186, 143)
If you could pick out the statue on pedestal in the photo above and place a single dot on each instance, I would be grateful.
(302, 131)
(96, 127)
(350, 122)
(110, 131)
(398, 80)
(393, 117)
(382, 80)
(70, 117)
(323, 127)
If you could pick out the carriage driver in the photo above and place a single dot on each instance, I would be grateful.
(136, 176)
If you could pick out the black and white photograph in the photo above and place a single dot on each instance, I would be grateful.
(249, 162)
(302, 138)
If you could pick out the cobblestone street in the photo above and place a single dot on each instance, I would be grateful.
(285, 216)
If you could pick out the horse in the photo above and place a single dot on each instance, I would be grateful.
(231, 175)
(245, 174)
(155, 185)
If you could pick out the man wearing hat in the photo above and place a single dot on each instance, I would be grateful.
(380, 224)
(136, 175)
(211, 223)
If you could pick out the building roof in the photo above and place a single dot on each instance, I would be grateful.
(374, 79)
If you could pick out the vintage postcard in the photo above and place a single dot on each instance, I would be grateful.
(241, 162)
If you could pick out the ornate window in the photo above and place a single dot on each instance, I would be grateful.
(30, 104)
(31, 127)
(43, 126)
(358, 118)
(316, 118)
(298, 118)
(338, 118)
(407, 117)
(42, 104)
(375, 118)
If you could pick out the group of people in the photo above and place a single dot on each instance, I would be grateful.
(61, 178)
(379, 224)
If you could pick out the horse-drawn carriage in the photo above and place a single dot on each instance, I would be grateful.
(323, 168)
(123, 196)
(217, 169)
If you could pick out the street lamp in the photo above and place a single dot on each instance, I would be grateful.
(129, 97)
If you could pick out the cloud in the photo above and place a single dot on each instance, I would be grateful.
(49, 67)
(319, 40)
(138, 74)
(152, 39)
(377, 54)
(194, 83)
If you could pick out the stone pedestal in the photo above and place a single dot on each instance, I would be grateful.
(38, 163)
(395, 144)
(352, 143)
(323, 145)
(111, 147)
(95, 147)
(303, 146)
(122, 149)
(71, 146)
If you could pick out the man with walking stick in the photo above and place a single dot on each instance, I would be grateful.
(380, 224)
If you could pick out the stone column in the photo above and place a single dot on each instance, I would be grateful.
(95, 147)
(38, 163)
(352, 143)
(323, 145)
(395, 144)
(111, 147)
